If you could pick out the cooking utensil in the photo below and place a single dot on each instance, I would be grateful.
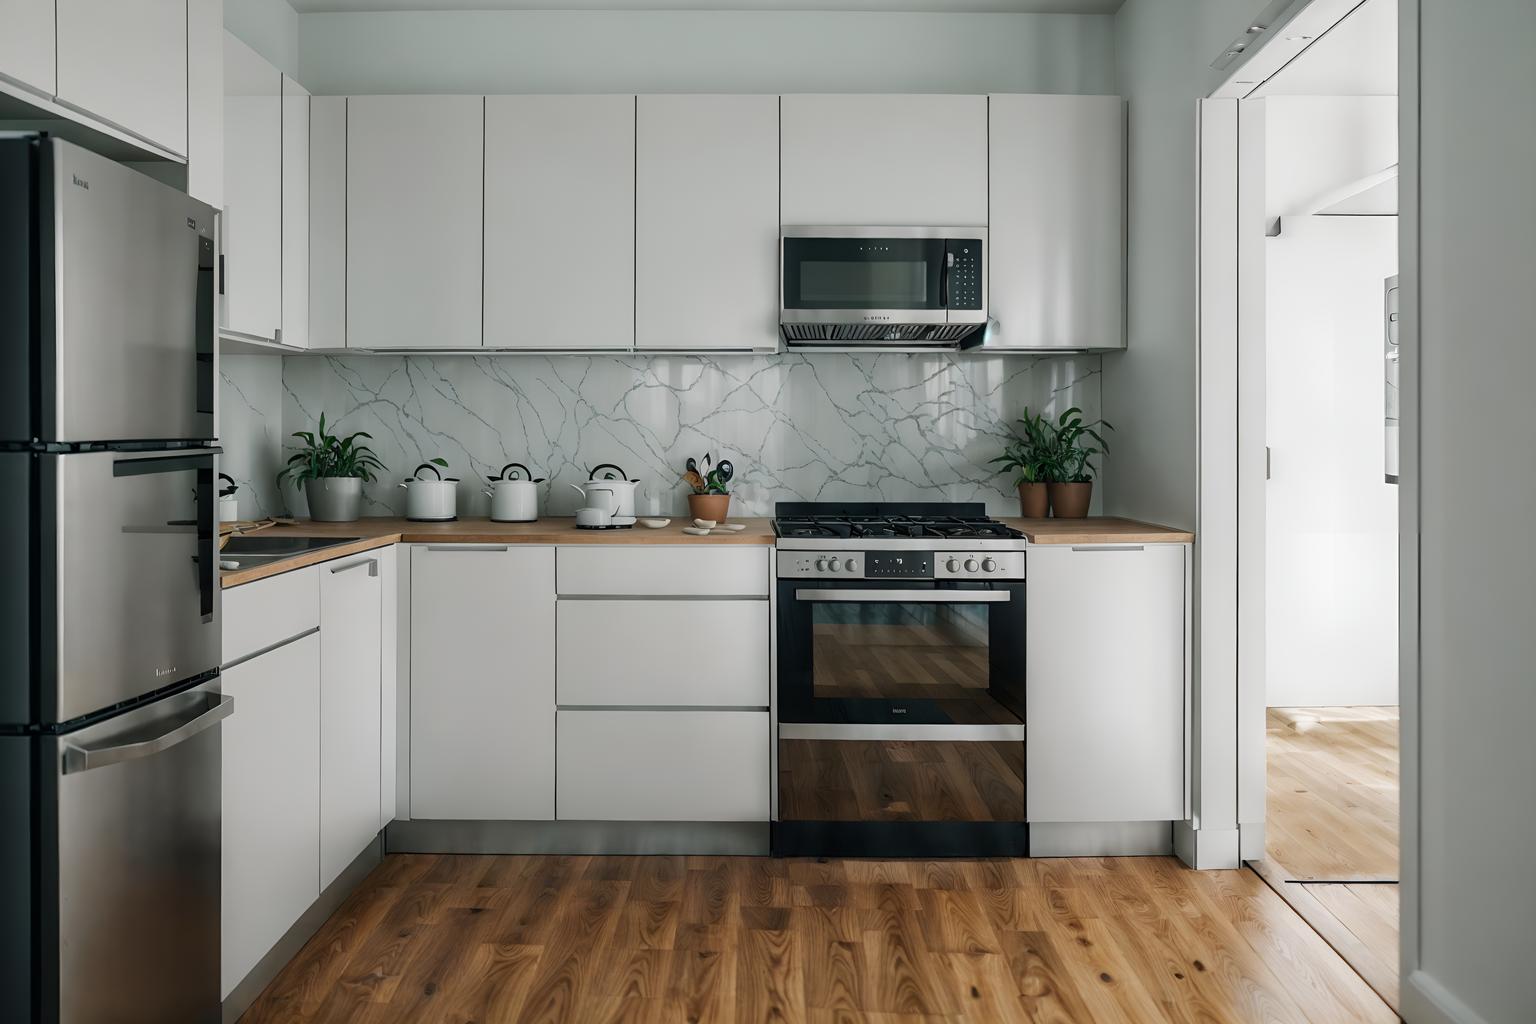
(514, 499)
(431, 501)
(617, 482)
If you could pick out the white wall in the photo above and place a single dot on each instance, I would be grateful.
(1331, 537)
(270, 27)
(1318, 143)
(703, 51)
(1469, 760)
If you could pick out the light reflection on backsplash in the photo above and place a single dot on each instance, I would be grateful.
(832, 426)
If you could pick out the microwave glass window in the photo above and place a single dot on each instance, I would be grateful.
(884, 284)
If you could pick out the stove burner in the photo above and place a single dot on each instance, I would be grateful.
(894, 526)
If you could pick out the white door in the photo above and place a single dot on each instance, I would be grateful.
(351, 610)
(253, 193)
(327, 222)
(560, 221)
(706, 222)
(884, 160)
(1057, 224)
(1104, 669)
(271, 794)
(414, 221)
(295, 245)
(26, 45)
(126, 62)
(482, 682)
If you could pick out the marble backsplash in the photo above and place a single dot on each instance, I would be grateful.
(822, 427)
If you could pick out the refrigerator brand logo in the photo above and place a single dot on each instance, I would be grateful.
(81, 181)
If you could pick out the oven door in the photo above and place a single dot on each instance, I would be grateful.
(901, 718)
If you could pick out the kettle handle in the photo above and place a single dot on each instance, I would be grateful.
(608, 465)
(527, 473)
(426, 465)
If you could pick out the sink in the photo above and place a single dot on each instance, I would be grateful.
(249, 552)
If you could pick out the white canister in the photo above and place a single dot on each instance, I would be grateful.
(514, 499)
(430, 500)
(229, 509)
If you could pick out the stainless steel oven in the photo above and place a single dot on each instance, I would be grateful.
(883, 286)
(901, 705)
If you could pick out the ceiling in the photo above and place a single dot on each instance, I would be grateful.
(1357, 57)
(934, 6)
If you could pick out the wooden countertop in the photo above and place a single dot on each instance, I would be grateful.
(1097, 530)
(377, 532)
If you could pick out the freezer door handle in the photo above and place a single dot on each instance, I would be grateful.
(82, 759)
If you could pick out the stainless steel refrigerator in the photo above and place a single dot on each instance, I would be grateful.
(109, 594)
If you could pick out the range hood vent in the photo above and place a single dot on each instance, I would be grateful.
(877, 336)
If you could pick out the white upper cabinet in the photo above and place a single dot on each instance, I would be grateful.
(125, 62)
(559, 222)
(1057, 232)
(253, 193)
(327, 222)
(205, 100)
(295, 244)
(706, 222)
(26, 44)
(414, 220)
(884, 160)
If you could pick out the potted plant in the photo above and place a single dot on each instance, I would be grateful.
(709, 500)
(1071, 466)
(1028, 455)
(332, 470)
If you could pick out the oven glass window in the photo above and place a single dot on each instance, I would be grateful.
(899, 652)
(837, 284)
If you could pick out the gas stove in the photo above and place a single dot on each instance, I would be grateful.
(897, 540)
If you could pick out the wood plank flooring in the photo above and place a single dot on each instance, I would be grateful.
(506, 940)
(1332, 831)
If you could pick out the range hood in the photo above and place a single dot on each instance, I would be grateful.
(880, 337)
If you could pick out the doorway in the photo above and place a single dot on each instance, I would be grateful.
(1317, 178)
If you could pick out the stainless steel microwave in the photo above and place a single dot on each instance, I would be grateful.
(883, 287)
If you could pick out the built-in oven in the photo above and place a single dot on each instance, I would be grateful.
(883, 286)
(901, 708)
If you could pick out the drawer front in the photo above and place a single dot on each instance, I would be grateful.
(663, 571)
(662, 766)
(678, 653)
(261, 614)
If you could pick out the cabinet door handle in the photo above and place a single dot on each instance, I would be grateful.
(371, 563)
(466, 547)
(1112, 547)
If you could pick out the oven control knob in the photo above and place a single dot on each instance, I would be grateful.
(851, 565)
(970, 565)
(832, 565)
(989, 565)
(821, 565)
(952, 565)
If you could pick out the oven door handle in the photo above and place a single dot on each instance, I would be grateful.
(981, 732)
(911, 596)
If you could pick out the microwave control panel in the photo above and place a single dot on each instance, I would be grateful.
(964, 258)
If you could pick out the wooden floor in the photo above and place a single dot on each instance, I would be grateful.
(483, 939)
(1332, 831)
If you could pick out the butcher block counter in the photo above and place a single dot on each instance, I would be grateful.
(376, 532)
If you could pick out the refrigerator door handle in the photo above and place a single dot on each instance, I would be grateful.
(83, 759)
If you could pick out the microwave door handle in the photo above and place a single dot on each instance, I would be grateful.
(949, 262)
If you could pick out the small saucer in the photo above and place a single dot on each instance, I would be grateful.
(655, 524)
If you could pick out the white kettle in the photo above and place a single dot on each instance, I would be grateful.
(613, 480)
(514, 499)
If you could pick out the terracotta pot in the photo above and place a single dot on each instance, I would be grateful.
(709, 506)
(1034, 501)
(1070, 501)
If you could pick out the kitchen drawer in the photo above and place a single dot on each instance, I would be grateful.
(679, 653)
(265, 613)
(662, 766)
(663, 571)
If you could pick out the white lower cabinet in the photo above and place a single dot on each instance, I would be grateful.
(682, 653)
(271, 793)
(351, 636)
(482, 682)
(1105, 704)
(663, 766)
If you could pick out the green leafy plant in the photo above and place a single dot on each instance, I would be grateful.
(1076, 442)
(707, 479)
(1028, 452)
(324, 455)
(1062, 452)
